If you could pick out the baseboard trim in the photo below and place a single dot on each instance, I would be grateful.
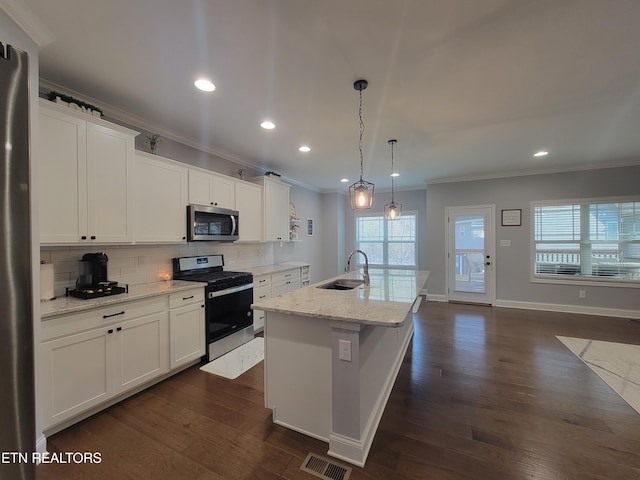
(437, 298)
(41, 445)
(554, 307)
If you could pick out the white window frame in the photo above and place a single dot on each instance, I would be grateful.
(575, 279)
(360, 260)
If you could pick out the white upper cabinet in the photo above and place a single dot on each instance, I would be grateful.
(275, 207)
(85, 178)
(160, 199)
(249, 207)
(211, 189)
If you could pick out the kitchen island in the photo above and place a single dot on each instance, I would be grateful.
(332, 356)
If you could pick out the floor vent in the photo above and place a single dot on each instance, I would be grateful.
(324, 468)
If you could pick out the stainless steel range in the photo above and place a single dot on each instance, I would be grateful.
(229, 318)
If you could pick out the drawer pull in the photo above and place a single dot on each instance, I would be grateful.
(113, 314)
(187, 298)
(262, 281)
(287, 275)
(262, 296)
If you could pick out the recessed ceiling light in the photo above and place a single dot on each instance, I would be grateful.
(205, 85)
(304, 148)
(344, 180)
(268, 125)
(541, 153)
(395, 174)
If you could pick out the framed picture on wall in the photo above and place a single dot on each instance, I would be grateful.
(512, 217)
(309, 227)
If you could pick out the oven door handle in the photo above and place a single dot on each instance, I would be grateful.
(229, 291)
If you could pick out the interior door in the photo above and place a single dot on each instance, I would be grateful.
(470, 253)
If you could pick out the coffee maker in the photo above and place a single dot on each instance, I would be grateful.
(93, 270)
(92, 281)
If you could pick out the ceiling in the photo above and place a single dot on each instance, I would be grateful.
(469, 88)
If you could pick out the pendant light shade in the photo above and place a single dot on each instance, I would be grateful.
(361, 192)
(393, 209)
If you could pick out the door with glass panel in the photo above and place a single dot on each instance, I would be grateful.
(470, 234)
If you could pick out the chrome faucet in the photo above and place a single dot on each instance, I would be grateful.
(366, 266)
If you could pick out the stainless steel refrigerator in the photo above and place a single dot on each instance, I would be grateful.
(17, 398)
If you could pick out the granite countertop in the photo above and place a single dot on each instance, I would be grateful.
(268, 269)
(66, 305)
(386, 302)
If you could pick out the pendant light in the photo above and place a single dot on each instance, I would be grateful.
(361, 192)
(392, 210)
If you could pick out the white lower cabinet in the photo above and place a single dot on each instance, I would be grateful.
(88, 358)
(271, 285)
(261, 291)
(283, 282)
(186, 327)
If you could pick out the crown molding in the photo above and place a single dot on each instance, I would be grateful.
(540, 171)
(28, 21)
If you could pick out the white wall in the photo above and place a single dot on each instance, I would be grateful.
(512, 264)
(333, 237)
(309, 248)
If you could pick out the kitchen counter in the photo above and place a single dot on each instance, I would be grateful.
(268, 269)
(66, 305)
(385, 302)
(332, 357)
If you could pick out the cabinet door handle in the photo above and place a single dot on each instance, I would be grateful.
(113, 314)
(119, 329)
(93, 237)
(187, 298)
(83, 237)
(110, 331)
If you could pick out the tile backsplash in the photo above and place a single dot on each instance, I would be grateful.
(137, 264)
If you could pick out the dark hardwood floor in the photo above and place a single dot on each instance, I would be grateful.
(483, 393)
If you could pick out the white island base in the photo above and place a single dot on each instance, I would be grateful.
(331, 379)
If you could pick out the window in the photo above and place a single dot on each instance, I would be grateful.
(389, 243)
(597, 240)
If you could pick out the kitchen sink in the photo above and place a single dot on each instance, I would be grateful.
(342, 284)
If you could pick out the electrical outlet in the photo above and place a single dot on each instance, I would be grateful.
(345, 350)
(582, 294)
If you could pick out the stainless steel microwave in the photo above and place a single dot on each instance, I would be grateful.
(205, 223)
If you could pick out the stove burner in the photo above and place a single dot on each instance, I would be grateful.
(208, 269)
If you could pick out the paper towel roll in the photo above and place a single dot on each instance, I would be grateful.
(46, 282)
